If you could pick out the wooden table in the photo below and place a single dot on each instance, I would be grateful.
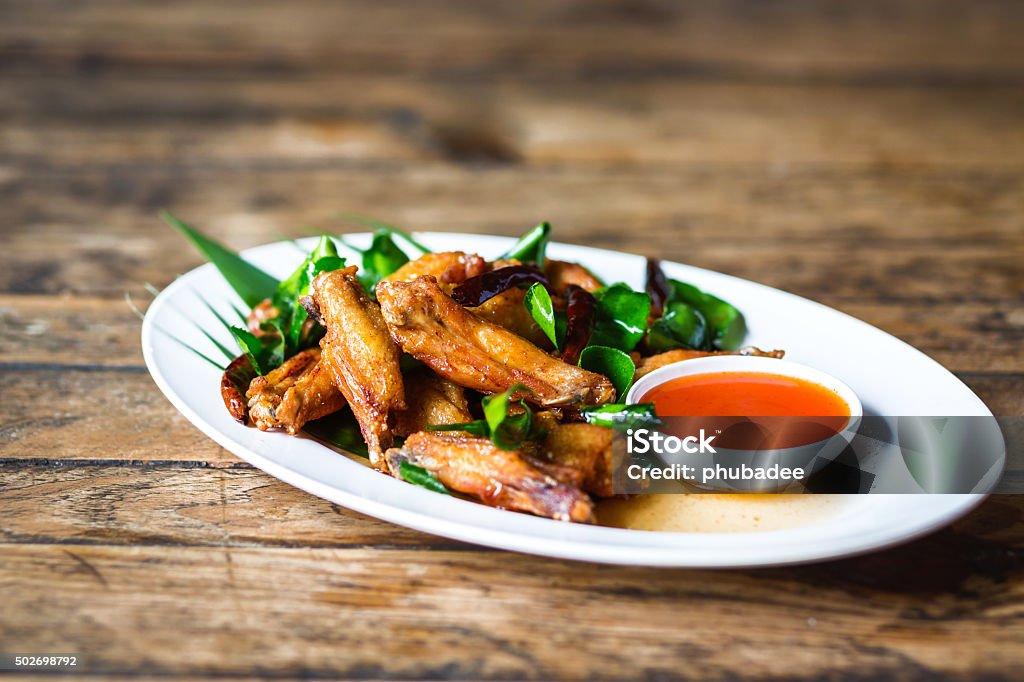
(869, 155)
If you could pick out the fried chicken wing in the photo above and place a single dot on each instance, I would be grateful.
(300, 390)
(649, 364)
(507, 310)
(579, 455)
(478, 354)
(500, 478)
(430, 399)
(449, 267)
(360, 355)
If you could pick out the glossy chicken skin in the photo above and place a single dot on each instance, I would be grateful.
(300, 390)
(449, 267)
(360, 355)
(500, 478)
(477, 354)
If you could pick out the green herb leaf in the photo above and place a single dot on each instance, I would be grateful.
(265, 352)
(622, 417)
(620, 319)
(612, 363)
(381, 259)
(477, 427)
(727, 328)
(410, 473)
(532, 246)
(538, 302)
(291, 316)
(508, 431)
(682, 326)
(251, 283)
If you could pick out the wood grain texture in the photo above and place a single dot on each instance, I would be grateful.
(868, 155)
(477, 614)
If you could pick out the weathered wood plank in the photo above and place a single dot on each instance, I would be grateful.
(861, 236)
(871, 41)
(74, 330)
(90, 415)
(490, 615)
(176, 505)
(133, 118)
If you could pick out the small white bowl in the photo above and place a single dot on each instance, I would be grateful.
(809, 457)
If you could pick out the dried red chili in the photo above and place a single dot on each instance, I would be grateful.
(580, 306)
(477, 290)
(657, 287)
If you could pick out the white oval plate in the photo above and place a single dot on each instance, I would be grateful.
(890, 377)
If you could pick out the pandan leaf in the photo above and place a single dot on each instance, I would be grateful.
(538, 302)
(612, 363)
(252, 284)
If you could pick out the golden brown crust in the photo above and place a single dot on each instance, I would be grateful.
(500, 478)
(430, 399)
(580, 455)
(361, 356)
(477, 354)
(300, 390)
(507, 310)
(449, 267)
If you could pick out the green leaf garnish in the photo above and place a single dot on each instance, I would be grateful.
(620, 319)
(681, 326)
(380, 260)
(508, 430)
(410, 473)
(291, 317)
(726, 326)
(611, 362)
(532, 246)
(538, 302)
(622, 417)
(251, 283)
(265, 352)
(505, 428)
